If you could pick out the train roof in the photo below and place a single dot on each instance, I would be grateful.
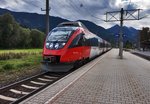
(66, 28)
(74, 24)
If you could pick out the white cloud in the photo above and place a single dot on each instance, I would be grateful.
(12, 5)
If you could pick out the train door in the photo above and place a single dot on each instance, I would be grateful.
(76, 48)
(101, 46)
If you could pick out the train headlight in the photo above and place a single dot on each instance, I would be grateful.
(59, 45)
(51, 45)
(56, 45)
(47, 45)
(63, 44)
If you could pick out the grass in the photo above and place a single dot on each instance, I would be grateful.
(17, 54)
(21, 50)
(19, 64)
(19, 59)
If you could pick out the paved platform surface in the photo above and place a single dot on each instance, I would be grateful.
(106, 80)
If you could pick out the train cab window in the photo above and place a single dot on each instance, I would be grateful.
(78, 41)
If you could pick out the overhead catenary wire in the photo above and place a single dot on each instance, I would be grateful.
(59, 2)
(89, 11)
(30, 3)
(73, 6)
(78, 9)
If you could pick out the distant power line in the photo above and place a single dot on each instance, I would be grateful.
(59, 6)
(34, 4)
(74, 7)
(81, 6)
(88, 10)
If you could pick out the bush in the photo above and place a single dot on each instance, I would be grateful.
(37, 38)
(11, 55)
(1, 70)
(23, 65)
(8, 66)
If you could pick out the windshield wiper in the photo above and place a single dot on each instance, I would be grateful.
(60, 38)
(64, 36)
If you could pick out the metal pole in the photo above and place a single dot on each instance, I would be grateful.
(121, 35)
(113, 17)
(47, 17)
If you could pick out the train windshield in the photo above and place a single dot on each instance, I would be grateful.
(60, 34)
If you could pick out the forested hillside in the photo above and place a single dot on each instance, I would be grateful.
(12, 35)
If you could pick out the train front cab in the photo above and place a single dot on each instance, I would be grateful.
(62, 60)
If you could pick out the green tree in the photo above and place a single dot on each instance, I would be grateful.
(9, 33)
(6, 24)
(1, 40)
(12, 35)
(37, 38)
(15, 36)
(25, 38)
(128, 44)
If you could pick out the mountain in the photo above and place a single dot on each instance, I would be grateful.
(34, 20)
(129, 33)
(98, 30)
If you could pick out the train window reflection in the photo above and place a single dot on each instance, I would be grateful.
(60, 34)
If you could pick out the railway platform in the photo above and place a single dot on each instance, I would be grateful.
(105, 80)
(144, 54)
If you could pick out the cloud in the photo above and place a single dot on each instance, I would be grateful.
(92, 10)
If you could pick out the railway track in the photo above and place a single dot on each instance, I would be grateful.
(17, 92)
(142, 55)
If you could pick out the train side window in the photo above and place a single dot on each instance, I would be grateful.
(102, 44)
(74, 43)
(87, 43)
(84, 41)
(80, 43)
(93, 41)
(77, 41)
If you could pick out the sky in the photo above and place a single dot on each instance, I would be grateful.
(92, 10)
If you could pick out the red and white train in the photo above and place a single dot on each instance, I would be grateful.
(70, 44)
